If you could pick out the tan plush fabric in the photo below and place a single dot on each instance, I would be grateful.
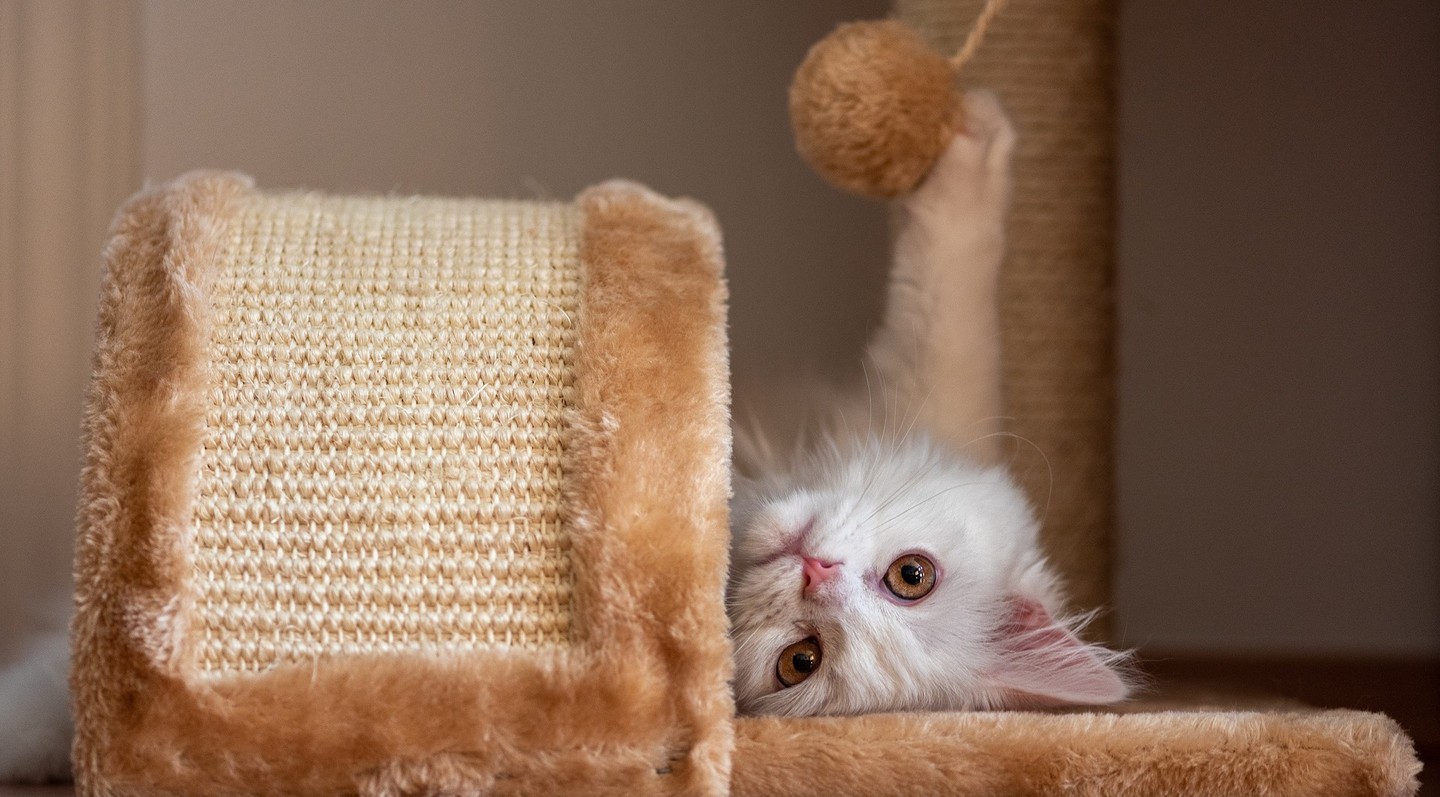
(268, 548)
(1019, 754)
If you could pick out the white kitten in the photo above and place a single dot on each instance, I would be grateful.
(881, 576)
(890, 572)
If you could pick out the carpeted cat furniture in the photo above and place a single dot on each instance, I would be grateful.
(408, 496)
(405, 496)
(396, 496)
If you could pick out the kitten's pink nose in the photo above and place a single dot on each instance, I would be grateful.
(817, 572)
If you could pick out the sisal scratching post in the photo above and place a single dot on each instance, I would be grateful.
(1051, 62)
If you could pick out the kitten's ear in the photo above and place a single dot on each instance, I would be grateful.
(1043, 662)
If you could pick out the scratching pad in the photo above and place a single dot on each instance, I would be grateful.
(381, 462)
(392, 496)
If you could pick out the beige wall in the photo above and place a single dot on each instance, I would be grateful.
(1278, 439)
(1279, 436)
(535, 98)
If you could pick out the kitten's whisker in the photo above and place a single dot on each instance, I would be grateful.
(869, 400)
(843, 417)
(1049, 468)
(918, 412)
(914, 371)
(903, 488)
(924, 501)
(870, 475)
(990, 418)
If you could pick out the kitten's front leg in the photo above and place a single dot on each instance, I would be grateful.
(938, 350)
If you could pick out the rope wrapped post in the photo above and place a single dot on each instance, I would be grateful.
(1052, 63)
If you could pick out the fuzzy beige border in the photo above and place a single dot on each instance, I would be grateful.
(638, 705)
(1021, 754)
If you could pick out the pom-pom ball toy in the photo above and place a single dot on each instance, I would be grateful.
(873, 104)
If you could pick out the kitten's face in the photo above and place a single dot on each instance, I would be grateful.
(891, 578)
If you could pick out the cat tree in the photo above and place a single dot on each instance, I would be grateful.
(418, 496)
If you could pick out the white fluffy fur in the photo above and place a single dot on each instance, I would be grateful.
(865, 502)
(35, 725)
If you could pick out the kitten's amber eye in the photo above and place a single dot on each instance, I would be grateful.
(911, 577)
(798, 661)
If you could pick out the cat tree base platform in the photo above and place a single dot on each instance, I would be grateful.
(1143, 750)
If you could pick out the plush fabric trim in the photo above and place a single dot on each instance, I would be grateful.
(1198, 754)
(143, 425)
(639, 704)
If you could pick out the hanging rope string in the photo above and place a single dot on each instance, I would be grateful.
(977, 33)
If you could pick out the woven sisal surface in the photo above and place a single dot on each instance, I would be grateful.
(381, 463)
(1051, 63)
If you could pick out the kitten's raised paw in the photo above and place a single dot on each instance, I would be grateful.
(985, 121)
(973, 173)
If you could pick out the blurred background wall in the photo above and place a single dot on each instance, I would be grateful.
(1278, 445)
(1279, 430)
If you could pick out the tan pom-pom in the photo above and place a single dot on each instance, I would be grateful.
(873, 106)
